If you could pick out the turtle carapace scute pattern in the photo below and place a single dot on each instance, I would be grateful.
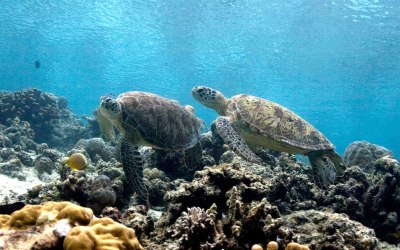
(147, 119)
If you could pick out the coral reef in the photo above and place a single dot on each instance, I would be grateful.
(372, 199)
(16, 142)
(48, 116)
(234, 205)
(364, 154)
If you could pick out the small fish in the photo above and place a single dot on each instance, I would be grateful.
(76, 161)
(37, 64)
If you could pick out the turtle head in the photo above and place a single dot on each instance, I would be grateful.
(110, 108)
(210, 98)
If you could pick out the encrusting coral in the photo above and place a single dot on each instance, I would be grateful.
(41, 226)
(296, 246)
(102, 233)
(45, 226)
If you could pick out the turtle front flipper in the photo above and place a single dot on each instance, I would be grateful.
(235, 140)
(132, 163)
(337, 161)
(324, 170)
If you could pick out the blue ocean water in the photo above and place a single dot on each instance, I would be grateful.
(335, 63)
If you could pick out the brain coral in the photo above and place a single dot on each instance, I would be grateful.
(102, 233)
(41, 226)
(45, 226)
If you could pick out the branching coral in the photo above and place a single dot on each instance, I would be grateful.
(196, 227)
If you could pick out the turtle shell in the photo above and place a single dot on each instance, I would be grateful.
(274, 121)
(160, 121)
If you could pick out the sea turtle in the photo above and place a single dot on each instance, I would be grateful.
(150, 120)
(248, 121)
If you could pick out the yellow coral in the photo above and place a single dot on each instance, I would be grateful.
(49, 212)
(296, 246)
(49, 222)
(104, 234)
(26, 217)
(4, 220)
(256, 247)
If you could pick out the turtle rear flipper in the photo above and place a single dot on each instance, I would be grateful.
(192, 157)
(235, 140)
(132, 163)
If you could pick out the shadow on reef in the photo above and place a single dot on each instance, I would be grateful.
(225, 203)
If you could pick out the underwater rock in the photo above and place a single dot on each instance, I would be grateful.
(43, 164)
(138, 220)
(382, 200)
(97, 146)
(75, 187)
(326, 230)
(364, 154)
(289, 191)
(41, 193)
(13, 169)
(157, 185)
(112, 168)
(101, 194)
(133, 218)
(17, 134)
(372, 199)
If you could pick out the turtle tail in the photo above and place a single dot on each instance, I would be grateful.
(132, 163)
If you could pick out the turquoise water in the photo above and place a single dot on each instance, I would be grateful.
(335, 63)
